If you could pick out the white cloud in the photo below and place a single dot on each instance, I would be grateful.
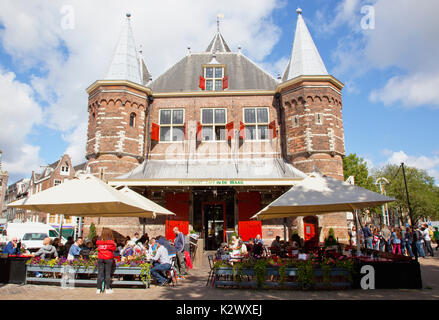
(404, 38)
(410, 91)
(429, 164)
(19, 113)
(69, 60)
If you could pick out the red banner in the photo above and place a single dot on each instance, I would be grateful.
(225, 82)
(199, 131)
(241, 130)
(202, 84)
(272, 127)
(229, 128)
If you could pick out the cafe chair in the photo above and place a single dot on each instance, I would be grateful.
(210, 278)
(171, 274)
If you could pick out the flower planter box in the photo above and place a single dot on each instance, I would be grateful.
(49, 275)
(225, 277)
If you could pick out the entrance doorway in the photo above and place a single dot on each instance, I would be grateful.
(214, 218)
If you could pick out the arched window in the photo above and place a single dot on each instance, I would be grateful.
(132, 120)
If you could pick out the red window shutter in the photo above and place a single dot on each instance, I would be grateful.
(202, 84)
(225, 82)
(241, 130)
(155, 132)
(272, 127)
(229, 128)
(199, 131)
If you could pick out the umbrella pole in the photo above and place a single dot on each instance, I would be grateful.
(60, 227)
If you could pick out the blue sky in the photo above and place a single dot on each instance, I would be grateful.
(51, 52)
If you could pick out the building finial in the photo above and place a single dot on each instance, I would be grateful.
(218, 16)
(299, 11)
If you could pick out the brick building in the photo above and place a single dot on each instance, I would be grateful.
(216, 138)
(3, 187)
(50, 176)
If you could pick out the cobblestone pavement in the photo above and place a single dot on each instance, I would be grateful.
(194, 287)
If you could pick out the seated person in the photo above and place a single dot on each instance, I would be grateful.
(171, 249)
(275, 246)
(128, 250)
(221, 251)
(75, 250)
(295, 248)
(47, 251)
(250, 245)
(258, 250)
(258, 239)
(161, 262)
(12, 247)
(243, 248)
(152, 246)
(87, 249)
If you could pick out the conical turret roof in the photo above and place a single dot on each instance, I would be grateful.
(125, 64)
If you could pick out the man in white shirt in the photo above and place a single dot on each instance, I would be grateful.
(161, 261)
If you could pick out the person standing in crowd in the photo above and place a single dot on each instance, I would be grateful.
(418, 240)
(47, 251)
(427, 240)
(396, 241)
(179, 243)
(106, 247)
(376, 239)
(387, 235)
(144, 239)
(75, 250)
(403, 244)
(367, 237)
(161, 261)
(436, 237)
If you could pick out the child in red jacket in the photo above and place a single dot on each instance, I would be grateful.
(106, 247)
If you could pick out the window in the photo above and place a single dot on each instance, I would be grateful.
(319, 118)
(132, 119)
(295, 121)
(214, 78)
(214, 124)
(256, 123)
(52, 220)
(57, 182)
(171, 125)
(65, 170)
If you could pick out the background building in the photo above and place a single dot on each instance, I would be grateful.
(3, 187)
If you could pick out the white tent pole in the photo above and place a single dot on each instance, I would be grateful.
(60, 227)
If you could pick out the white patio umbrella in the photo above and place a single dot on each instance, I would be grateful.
(317, 194)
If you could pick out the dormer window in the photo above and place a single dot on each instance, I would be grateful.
(214, 78)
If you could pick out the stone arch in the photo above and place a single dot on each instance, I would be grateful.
(309, 100)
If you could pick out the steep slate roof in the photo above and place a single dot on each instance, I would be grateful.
(261, 168)
(243, 73)
(218, 44)
(125, 64)
(305, 58)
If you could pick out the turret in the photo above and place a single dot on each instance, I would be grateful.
(117, 109)
(311, 104)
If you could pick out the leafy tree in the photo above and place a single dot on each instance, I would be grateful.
(356, 166)
(424, 195)
(92, 232)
